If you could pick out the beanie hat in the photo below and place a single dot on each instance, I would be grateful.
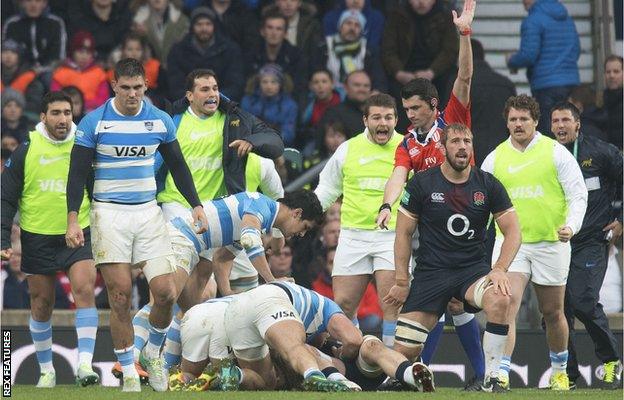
(10, 94)
(203, 12)
(82, 40)
(352, 14)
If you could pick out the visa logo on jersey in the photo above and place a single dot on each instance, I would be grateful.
(526, 192)
(52, 185)
(283, 314)
(130, 151)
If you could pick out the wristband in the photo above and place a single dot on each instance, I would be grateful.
(385, 206)
(465, 32)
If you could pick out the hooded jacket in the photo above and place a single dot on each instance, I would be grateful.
(549, 46)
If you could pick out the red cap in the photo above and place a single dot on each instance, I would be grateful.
(82, 40)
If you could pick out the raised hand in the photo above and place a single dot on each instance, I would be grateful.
(464, 21)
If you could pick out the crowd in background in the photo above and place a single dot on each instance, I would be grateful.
(303, 67)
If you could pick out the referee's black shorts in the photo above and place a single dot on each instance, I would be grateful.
(432, 289)
(46, 254)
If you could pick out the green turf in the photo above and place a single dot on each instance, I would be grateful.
(97, 393)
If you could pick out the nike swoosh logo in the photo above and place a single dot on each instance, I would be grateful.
(108, 126)
(366, 160)
(198, 135)
(513, 169)
(46, 161)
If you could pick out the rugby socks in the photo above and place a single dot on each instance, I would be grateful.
(494, 340)
(333, 374)
(404, 374)
(155, 341)
(173, 346)
(432, 342)
(126, 359)
(559, 361)
(469, 333)
(388, 328)
(141, 325)
(41, 333)
(313, 372)
(86, 330)
(505, 367)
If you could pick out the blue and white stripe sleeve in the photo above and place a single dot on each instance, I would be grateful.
(85, 133)
(170, 136)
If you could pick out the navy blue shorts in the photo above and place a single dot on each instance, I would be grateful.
(46, 254)
(432, 289)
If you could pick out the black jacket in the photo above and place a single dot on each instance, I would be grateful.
(223, 57)
(239, 124)
(349, 113)
(239, 24)
(598, 160)
(289, 58)
(613, 105)
(48, 31)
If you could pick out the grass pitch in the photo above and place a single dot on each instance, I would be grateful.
(67, 392)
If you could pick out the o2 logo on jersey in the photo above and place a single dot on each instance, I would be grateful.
(459, 219)
(130, 151)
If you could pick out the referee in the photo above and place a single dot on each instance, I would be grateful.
(601, 165)
(33, 182)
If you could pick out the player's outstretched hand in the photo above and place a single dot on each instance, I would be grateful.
(5, 254)
(397, 295)
(74, 236)
(464, 21)
(200, 220)
(383, 218)
(243, 147)
(500, 281)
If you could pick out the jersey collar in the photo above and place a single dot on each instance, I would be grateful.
(41, 129)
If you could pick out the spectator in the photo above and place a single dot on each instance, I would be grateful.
(42, 34)
(107, 20)
(420, 41)
(237, 22)
(14, 124)
(348, 51)
(369, 312)
(15, 293)
(613, 99)
(322, 96)
(275, 49)
(593, 119)
(333, 136)
(304, 30)
(488, 92)
(549, 49)
(9, 143)
(375, 20)
(281, 263)
(80, 70)
(18, 75)
(269, 100)
(163, 24)
(330, 232)
(77, 99)
(135, 46)
(205, 47)
(333, 213)
(349, 112)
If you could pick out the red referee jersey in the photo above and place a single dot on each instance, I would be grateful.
(417, 156)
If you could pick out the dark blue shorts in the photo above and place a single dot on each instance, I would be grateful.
(46, 254)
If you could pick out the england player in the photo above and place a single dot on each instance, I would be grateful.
(421, 149)
(546, 185)
(33, 182)
(451, 204)
(120, 139)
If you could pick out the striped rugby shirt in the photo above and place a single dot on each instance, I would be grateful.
(124, 150)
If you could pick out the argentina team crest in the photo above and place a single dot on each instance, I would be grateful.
(149, 125)
(478, 198)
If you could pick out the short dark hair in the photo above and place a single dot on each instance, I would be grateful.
(566, 105)
(422, 88)
(53, 97)
(196, 74)
(584, 94)
(614, 57)
(380, 100)
(522, 102)
(321, 71)
(133, 36)
(454, 128)
(129, 67)
(73, 90)
(274, 15)
(308, 202)
(478, 53)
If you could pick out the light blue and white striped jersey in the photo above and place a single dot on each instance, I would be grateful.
(124, 150)
(314, 309)
(225, 219)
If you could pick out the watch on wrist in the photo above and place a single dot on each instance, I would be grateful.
(385, 206)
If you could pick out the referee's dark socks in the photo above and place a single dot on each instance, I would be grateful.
(400, 372)
(330, 370)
